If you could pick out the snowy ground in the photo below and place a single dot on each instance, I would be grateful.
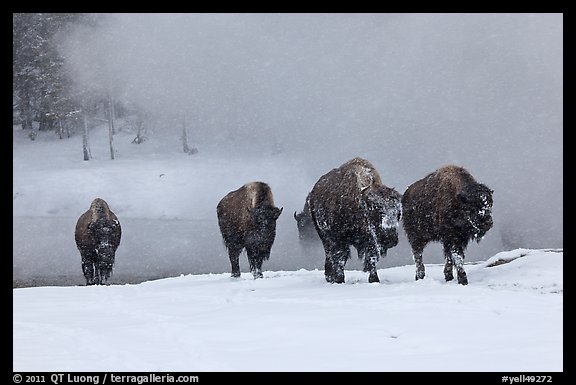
(508, 319)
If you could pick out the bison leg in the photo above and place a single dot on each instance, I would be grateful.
(103, 272)
(255, 261)
(370, 261)
(329, 270)
(234, 255)
(339, 259)
(460, 273)
(457, 255)
(97, 274)
(88, 270)
(257, 271)
(370, 266)
(448, 265)
(420, 270)
(256, 267)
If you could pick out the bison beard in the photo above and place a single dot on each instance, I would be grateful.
(97, 236)
(247, 219)
(351, 207)
(450, 207)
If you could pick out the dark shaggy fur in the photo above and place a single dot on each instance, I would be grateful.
(450, 207)
(351, 207)
(306, 230)
(247, 219)
(97, 236)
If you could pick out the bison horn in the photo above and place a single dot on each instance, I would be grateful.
(277, 212)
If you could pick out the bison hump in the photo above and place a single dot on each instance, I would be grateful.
(360, 173)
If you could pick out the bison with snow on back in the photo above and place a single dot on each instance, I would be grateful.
(97, 237)
(350, 206)
(450, 207)
(247, 219)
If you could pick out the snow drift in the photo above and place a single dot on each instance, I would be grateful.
(509, 318)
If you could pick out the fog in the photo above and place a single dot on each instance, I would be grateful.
(409, 92)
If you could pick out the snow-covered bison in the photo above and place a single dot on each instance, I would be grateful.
(350, 206)
(450, 207)
(247, 219)
(97, 235)
(306, 230)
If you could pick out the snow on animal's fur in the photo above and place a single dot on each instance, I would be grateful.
(450, 207)
(97, 234)
(350, 206)
(247, 219)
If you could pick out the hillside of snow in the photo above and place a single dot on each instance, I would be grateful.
(508, 319)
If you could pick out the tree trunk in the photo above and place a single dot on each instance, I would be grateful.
(112, 112)
(187, 149)
(85, 145)
(185, 135)
(111, 126)
(25, 107)
(44, 116)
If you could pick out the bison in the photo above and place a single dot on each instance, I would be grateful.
(350, 206)
(450, 207)
(97, 235)
(306, 230)
(247, 219)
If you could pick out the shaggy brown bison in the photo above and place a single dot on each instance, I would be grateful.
(350, 206)
(247, 219)
(306, 230)
(450, 207)
(97, 235)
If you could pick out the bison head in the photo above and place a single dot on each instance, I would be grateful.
(383, 211)
(306, 230)
(476, 202)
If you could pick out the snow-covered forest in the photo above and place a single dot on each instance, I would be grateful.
(162, 115)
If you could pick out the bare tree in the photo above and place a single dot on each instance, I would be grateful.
(111, 124)
(85, 145)
(187, 149)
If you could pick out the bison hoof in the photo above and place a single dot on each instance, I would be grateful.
(339, 278)
(373, 277)
(420, 275)
(258, 275)
(449, 277)
(462, 279)
(235, 275)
